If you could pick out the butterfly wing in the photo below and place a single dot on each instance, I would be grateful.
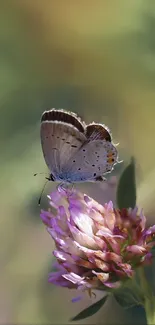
(62, 134)
(92, 161)
(96, 131)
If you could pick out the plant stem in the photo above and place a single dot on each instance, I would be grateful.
(149, 299)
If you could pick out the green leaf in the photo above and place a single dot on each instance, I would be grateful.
(127, 298)
(126, 190)
(91, 310)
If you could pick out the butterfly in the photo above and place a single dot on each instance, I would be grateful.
(74, 151)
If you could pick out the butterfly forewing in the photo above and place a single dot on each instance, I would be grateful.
(60, 141)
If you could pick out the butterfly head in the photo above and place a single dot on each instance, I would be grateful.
(51, 178)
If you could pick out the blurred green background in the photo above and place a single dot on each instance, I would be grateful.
(96, 58)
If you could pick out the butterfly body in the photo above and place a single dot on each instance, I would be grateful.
(74, 151)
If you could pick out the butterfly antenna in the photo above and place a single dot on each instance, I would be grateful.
(39, 201)
(39, 174)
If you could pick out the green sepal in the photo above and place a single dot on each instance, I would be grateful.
(91, 310)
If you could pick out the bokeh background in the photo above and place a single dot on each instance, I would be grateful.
(96, 58)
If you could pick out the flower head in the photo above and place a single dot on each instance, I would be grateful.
(96, 246)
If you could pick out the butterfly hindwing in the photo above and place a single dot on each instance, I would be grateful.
(91, 161)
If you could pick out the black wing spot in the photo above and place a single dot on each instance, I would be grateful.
(68, 142)
(84, 149)
(94, 174)
(46, 137)
(73, 146)
(73, 160)
(98, 156)
(58, 137)
(93, 165)
(99, 168)
(79, 168)
(63, 139)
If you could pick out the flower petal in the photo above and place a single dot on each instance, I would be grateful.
(113, 285)
(82, 221)
(82, 238)
(103, 277)
(135, 249)
(94, 204)
(109, 215)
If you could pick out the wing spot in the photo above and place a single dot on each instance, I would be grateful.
(73, 146)
(79, 168)
(73, 160)
(68, 142)
(94, 174)
(98, 156)
(58, 137)
(84, 149)
(111, 160)
(52, 135)
(99, 168)
(63, 139)
(46, 137)
(93, 165)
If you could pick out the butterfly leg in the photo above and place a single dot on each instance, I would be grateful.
(67, 187)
